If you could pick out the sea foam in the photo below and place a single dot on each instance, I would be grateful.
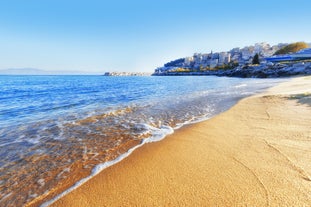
(158, 134)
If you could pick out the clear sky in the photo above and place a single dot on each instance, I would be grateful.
(135, 35)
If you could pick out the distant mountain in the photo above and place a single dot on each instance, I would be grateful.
(35, 71)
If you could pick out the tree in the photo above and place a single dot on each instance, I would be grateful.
(256, 59)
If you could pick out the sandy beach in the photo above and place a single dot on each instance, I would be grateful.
(256, 154)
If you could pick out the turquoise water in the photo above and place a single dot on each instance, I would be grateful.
(50, 123)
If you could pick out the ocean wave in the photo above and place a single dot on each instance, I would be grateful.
(45, 149)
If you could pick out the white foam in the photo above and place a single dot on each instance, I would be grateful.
(241, 85)
(97, 169)
(158, 134)
(33, 140)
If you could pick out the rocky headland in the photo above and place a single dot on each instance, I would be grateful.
(258, 61)
(268, 70)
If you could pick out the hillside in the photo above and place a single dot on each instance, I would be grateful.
(292, 48)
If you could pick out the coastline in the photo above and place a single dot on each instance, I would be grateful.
(83, 146)
(177, 166)
(245, 71)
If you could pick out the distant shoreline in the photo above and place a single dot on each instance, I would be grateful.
(127, 74)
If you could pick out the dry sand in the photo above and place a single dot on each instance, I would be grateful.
(256, 154)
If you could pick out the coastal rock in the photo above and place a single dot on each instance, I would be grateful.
(41, 182)
(252, 71)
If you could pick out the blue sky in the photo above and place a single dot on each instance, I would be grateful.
(119, 35)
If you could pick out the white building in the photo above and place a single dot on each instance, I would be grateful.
(188, 61)
(261, 47)
(224, 58)
(213, 63)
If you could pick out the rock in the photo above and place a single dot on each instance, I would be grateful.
(41, 182)
(260, 71)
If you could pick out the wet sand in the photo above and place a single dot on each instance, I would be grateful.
(256, 154)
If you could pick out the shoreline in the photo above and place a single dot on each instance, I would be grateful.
(99, 168)
(85, 166)
(142, 149)
(247, 71)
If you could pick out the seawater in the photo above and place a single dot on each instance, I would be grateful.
(56, 130)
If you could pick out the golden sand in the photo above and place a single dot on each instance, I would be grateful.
(256, 154)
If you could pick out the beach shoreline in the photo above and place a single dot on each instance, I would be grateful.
(142, 172)
(74, 143)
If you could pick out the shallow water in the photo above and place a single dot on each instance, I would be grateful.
(53, 128)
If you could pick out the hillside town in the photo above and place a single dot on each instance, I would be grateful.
(231, 59)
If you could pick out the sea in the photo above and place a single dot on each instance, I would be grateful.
(58, 131)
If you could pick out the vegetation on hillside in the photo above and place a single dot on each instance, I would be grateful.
(182, 70)
(228, 66)
(292, 48)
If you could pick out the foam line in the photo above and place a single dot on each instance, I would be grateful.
(100, 167)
